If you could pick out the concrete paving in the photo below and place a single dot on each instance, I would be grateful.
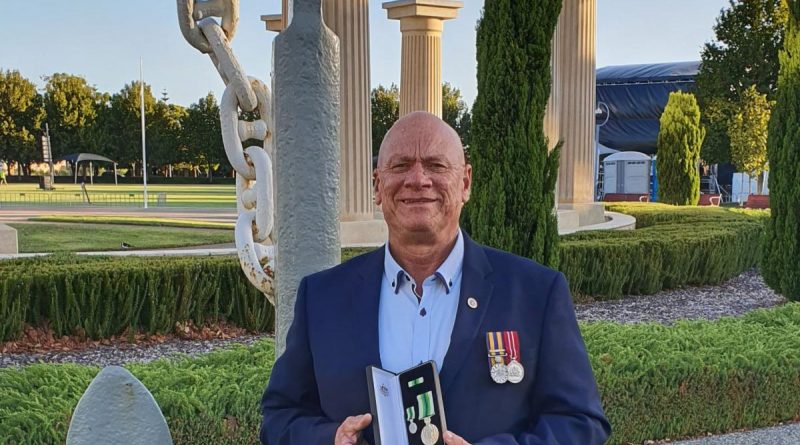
(778, 435)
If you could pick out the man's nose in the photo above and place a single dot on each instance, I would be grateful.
(417, 176)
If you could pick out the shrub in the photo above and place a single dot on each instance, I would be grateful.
(99, 297)
(675, 246)
(515, 172)
(655, 382)
(782, 250)
(679, 139)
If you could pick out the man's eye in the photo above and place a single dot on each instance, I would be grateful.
(399, 167)
(437, 168)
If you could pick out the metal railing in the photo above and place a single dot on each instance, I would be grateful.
(77, 198)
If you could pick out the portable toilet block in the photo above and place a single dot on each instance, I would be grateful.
(627, 172)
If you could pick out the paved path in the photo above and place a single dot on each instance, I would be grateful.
(778, 435)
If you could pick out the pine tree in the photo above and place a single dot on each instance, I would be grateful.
(782, 242)
(679, 139)
(514, 173)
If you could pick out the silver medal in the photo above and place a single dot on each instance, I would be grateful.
(499, 373)
(412, 427)
(515, 371)
(430, 432)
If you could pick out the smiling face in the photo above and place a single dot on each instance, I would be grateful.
(422, 180)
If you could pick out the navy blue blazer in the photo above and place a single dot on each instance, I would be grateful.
(320, 379)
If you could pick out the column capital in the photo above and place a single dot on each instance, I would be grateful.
(432, 9)
(274, 22)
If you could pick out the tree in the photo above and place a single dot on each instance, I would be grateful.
(122, 124)
(514, 173)
(165, 132)
(745, 53)
(21, 115)
(455, 111)
(71, 106)
(748, 134)
(679, 139)
(385, 112)
(782, 241)
(203, 134)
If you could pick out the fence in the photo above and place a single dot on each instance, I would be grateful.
(77, 198)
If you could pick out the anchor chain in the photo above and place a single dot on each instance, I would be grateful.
(253, 165)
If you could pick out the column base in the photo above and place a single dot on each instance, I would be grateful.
(8, 240)
(589, 213)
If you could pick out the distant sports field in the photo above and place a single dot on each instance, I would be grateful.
(128, 195)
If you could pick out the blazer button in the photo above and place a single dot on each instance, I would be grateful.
(472, 302)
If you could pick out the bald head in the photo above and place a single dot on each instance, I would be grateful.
(421, 129)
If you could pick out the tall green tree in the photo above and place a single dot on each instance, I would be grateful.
(21, 114)
(679, 139)
(782, 242)
(748, 35)
(203, 134)
(514, 173)
(122, 134)
(748, 134)
(455, 111)
(165, 134)
(71, 106)
(385, 102)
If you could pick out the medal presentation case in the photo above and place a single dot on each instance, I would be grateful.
(407, 408)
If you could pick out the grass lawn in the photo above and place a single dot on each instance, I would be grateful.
(44, 237)
(134, 221)
(193, 196)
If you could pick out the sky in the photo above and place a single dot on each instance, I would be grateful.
(103, 40)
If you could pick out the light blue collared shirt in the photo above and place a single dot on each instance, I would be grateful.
(412, 331)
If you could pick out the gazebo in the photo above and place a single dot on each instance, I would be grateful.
(76, 158)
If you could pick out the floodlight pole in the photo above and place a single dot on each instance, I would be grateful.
(144, 148)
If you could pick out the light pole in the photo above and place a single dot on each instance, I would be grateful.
(601, 112)
(144, 148)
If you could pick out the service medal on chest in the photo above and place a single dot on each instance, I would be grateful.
(515, 372)
(499, 373)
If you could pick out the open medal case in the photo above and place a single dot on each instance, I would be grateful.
(407, 408)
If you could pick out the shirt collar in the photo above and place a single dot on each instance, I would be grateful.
(447, 272)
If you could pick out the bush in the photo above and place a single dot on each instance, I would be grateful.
(675, 246)
(655, 382)
(679, 139)
(100, 297)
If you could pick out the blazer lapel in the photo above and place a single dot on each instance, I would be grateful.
(474, 284)
(365, 297)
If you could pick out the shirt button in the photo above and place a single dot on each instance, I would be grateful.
(423, 312)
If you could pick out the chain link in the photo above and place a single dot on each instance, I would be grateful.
(253, 165)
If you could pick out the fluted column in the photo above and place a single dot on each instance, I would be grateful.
(575, 71)
(421, 24)
(349, 19)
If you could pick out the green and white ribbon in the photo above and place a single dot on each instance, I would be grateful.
(425, 404)
(416, 381)
(410, 413)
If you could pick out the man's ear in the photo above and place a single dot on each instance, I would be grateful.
(467, 183)
(375, 187)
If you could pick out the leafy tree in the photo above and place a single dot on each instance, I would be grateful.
(514, 172)
(455, 111)
(165, 140)
(202, 133)
(679, 139)
(71, 106)
(782, 241)
(748, 134)
(385, 104)
(745, 52)
(21, 115)
(122, 134)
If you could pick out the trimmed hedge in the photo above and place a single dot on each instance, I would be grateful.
(99, 297)
(673, 246)
(656, 382)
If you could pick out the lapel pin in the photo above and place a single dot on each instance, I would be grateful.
(472, 302)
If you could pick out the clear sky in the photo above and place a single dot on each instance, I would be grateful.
(102, 41)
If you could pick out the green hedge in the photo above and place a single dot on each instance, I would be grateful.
(656, 382)
(672, 246)
(100, 297)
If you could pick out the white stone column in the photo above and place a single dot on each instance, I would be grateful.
(349, 19)
(421, 24)
(575, 73)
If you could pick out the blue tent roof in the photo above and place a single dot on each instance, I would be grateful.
(636, 96)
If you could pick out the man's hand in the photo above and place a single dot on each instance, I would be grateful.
(451, 438)
(349, 432)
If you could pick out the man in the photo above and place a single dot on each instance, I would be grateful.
(433, 294)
